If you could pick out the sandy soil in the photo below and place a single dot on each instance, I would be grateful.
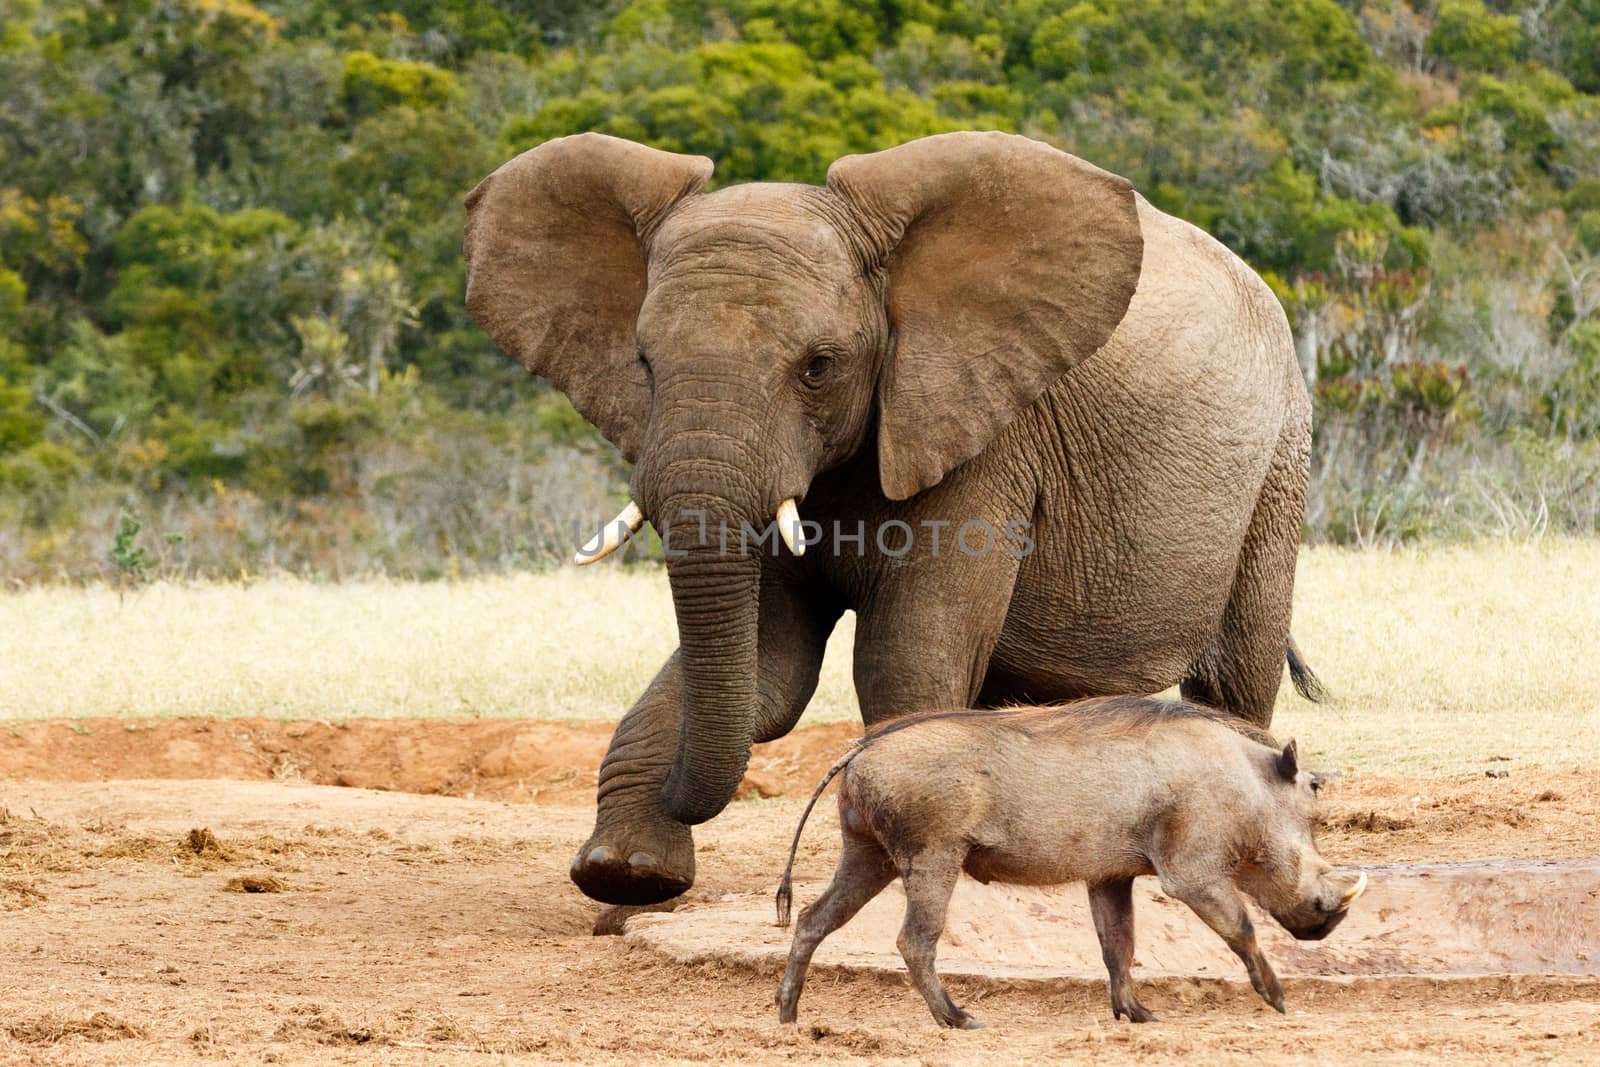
(483, 759)
(257, 920)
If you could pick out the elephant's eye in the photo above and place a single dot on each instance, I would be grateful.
(816, 370)
(650, 375)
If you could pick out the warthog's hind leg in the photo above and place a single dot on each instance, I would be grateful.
(930, 878)
(864, 869)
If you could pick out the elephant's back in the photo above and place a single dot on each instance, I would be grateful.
(1151, 456)
(1203, 329)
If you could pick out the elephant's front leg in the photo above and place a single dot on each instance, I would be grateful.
(924, 638)
(638, 854)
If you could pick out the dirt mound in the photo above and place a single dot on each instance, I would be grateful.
(1534, 811)
(557, 763)
(547, 762)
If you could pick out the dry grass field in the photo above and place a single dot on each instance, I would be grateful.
(1438, 659)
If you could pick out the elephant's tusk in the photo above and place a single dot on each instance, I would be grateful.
(611, 535)
(789, 527)
(1353, 892)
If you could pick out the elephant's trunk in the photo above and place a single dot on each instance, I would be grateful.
(699, 481)
(716, 596)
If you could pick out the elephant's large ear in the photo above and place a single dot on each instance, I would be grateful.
(555, 246)
(1008, 262)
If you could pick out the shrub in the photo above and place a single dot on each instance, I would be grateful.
(372, 84)
(1468, 37)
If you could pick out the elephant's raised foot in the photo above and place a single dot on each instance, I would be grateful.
(639, 871)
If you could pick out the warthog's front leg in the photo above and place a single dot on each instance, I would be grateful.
(1217, 902)
(1111, 904)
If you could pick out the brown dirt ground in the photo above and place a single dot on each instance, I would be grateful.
(482, 759)
(269, 918)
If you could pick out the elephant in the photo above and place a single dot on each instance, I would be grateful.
(969, 328)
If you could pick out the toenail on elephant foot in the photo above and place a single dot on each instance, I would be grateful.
(602, 856)
(644, 877)
(606, 878)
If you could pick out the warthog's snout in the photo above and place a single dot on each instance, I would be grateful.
(1330, 908)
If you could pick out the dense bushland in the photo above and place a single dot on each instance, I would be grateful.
(231, 287)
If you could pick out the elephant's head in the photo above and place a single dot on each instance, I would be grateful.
(734, 344)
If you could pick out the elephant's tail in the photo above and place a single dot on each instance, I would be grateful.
(1306, 683)
(785, 897)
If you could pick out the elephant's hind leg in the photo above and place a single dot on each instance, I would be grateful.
(1242, 669)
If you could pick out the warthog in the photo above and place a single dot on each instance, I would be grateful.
(1100, 791)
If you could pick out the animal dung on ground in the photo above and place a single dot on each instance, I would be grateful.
(202, 842)
(256, 883)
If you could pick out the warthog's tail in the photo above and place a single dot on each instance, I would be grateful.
(785, 897)
(1305, 682)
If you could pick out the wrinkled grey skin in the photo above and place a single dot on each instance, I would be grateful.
(967, 327)
(1100, 793)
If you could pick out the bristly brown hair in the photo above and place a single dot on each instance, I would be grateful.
(1122, 714)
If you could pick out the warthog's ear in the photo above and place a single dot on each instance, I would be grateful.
(1289, 762)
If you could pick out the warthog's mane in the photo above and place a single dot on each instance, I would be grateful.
(1114, 715)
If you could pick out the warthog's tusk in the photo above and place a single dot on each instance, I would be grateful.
(611, 535)
(789, 527)
(1353, 892)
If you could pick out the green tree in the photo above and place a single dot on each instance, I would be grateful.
(1468, 37)
(372, 84)
(374, 308)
